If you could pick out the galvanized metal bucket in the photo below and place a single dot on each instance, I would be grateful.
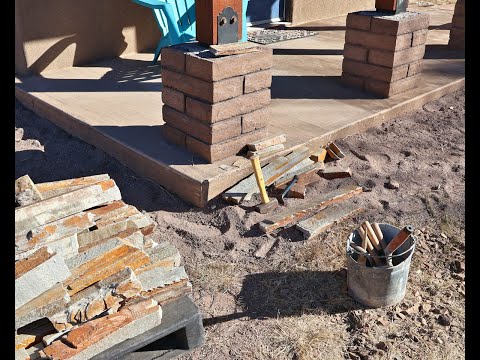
(383, 285)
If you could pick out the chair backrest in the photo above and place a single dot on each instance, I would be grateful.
(184, 11)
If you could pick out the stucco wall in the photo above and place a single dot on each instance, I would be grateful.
(52, 34)
(301, 11)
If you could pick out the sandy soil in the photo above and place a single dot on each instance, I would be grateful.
(293, 304)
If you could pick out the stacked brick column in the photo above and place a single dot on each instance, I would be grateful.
(214, 106)
(383, 54)
(457, 32)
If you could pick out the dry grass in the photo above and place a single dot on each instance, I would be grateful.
(216, 276)
(308, 337)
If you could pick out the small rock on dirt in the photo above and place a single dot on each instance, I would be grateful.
(18, 134)
(444, 320)
(392, 184)
(457, 266)
(382, 346)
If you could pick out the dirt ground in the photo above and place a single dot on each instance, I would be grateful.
(294, 304)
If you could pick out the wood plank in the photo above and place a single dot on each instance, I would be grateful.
(248, 186)
(271, 172)
(44, 305)
(104, 265)
(305, 209)
(319, 155)
(96, 336)
(267, 151)
(326, 218)
(26, 192)
(233, 48)
(55, 188)
(37, 274)
(335, 172)
(31, 216)
(265, 143)
(303, 167)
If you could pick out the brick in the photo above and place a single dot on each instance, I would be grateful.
(358, 21)
(174, 136)
(220, 151)
(386, 89)
(419, 37)
(398, 24)
(355, 52)
(376, 72)
(208, 133)
(173, 98)
(211, 92)
(208, 67)
(256, 119)
(415, 67)
(393, 59)
(257, 81)
(173, 57)
(353, 80)
(211, 113)
(378, 41)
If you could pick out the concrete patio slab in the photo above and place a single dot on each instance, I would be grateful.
(116, 104)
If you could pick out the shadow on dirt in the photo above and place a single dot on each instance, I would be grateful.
(272, 294)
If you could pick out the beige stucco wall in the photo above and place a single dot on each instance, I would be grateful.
(301, 11)
(53, 34)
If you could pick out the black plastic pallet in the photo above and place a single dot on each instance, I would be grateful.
(181, 331)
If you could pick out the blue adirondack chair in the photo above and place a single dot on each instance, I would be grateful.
(177, 22)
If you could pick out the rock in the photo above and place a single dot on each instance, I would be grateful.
(457, 266)
(392, 184)
(443, 236)
(426, 307)
(382, 346)
(444, 320)
(18, 134)
(423, 321)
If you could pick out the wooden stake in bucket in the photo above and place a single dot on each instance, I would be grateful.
(379, 286)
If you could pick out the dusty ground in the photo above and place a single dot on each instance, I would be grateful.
(294, 303)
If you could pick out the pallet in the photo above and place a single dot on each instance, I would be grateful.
(180, 332)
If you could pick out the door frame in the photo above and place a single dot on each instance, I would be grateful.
(282, 18)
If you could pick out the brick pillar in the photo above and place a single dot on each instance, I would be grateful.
(214, 106)
(457, 32)
(383, 54)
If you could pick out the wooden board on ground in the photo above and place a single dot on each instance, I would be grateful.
(303, 210)
(326, 218)
(271, 172)
(233, 48)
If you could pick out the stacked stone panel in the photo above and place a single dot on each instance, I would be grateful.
(457, 32)
(214, 106)
(383, 54)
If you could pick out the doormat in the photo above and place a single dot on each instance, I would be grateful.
(269, 36)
